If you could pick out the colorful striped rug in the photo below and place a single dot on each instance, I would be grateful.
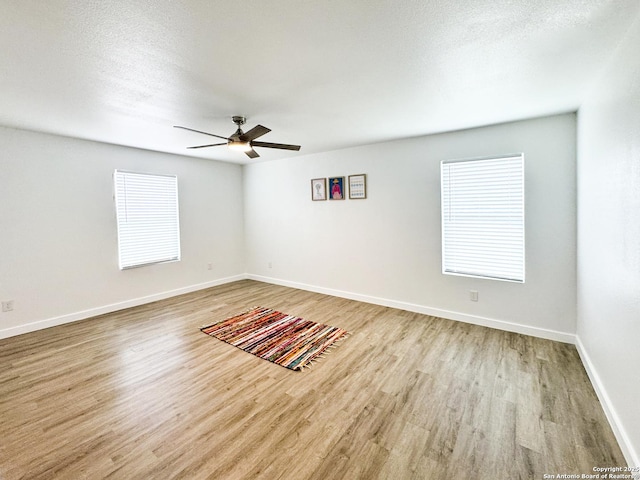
(275, 336)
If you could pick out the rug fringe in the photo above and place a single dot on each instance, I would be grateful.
(326, 351)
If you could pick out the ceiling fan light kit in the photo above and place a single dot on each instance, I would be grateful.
(243, 141)
(239, 145)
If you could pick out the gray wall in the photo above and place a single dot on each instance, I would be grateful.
(58, 237)
(387, 248)
(609, 240)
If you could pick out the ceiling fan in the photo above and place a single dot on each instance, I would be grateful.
(243, 141)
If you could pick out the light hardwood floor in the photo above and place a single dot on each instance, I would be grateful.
(143, 394)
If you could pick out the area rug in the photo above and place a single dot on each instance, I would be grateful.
(289, 341)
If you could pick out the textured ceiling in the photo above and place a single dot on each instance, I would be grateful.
(324, 75)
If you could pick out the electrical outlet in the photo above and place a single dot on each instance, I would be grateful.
(7, 306)
(473, 295)
(270, 265)
(209, 266)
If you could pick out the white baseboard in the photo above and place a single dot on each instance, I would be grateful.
(436, 312)
(92, 312)
(452, 315)
(630, 454)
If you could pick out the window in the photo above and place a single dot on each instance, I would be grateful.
(483, 217)
(147, 216)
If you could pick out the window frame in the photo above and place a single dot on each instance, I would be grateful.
(136, 237)
(461, 267)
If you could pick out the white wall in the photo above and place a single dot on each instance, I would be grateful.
(386, 249)
(609, 240)
(58, 240)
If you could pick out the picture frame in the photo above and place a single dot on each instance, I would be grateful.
(358, 186)
(336, 188)
(318, 189)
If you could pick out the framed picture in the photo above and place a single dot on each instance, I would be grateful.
(336, 188)
(358, 186)
(319, 189)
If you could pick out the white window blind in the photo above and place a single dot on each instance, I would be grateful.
(483, 217)
(147, 216)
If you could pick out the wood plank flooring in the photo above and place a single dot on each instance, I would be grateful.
(143, 394)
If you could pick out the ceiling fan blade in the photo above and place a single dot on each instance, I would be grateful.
(212, 145)
(281, 146)
(252, 154)
(198, 131)
(254, 133)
